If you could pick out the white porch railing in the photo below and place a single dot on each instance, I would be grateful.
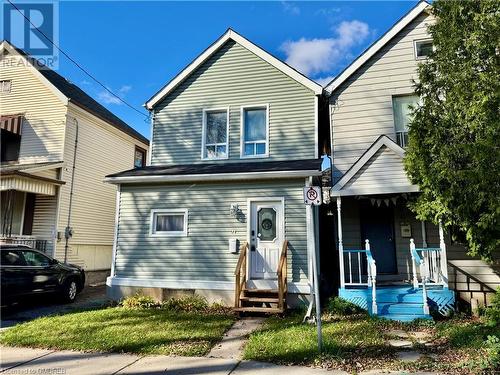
(352, 261)
(431, 265)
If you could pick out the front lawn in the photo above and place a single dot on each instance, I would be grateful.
(358, 342)
(119, 329)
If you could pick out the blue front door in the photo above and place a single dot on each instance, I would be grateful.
(377, 225)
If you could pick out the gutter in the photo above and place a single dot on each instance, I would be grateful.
(213, 177)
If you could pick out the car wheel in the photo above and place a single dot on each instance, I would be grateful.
(69, 291)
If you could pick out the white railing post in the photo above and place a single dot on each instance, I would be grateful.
(341, 245)
(424, 287)
(372, 276)
(414, 264)
(444, 259)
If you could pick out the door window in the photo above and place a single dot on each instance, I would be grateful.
(36, 259)
(12, 258)
(267, 224)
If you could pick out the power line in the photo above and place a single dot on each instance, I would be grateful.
(77, 64)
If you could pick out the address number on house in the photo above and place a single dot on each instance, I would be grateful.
(312, 195)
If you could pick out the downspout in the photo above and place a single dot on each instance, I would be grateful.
(68, 232)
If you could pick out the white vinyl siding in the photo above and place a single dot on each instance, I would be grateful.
(361, 108)
(44, 113)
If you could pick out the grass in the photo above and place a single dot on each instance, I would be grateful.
(359, 342)
(118, 329)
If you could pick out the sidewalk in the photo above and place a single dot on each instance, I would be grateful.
(39, 361)
(24, 361)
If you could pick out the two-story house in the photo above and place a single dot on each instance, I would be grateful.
(409, 263)
(234, 142)
(57, 145)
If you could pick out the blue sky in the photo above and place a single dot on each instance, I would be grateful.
(134, 48)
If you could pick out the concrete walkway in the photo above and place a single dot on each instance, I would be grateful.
(41, 361)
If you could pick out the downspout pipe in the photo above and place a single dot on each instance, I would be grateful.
(68, 232)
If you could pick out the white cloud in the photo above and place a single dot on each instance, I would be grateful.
(290, 8)
(319, 55)
(323, 81)
(107, 98)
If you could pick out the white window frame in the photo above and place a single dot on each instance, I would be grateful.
(242, 131)
(400, 134)
(204, 133)
(4, 84)
(415, 42)
(154, 216)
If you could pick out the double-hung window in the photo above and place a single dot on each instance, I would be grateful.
(254, 137)
(215, 134)
(167, 223)
(402, 107)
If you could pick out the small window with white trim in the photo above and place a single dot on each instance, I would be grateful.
(423, 48)
(169, 223)
(254, 124)
(5, 86)
(215, 134)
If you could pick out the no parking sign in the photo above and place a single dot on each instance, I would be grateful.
(312, 195)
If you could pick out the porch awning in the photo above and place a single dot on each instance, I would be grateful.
(379, 170)
(12, 123)
(29, 183)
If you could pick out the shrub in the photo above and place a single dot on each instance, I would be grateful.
(186, 303)
(339, 306)
(492, 313)
(139, 301)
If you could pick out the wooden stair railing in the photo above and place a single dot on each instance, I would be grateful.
(282, 276)
(267, 301)
(240, 274)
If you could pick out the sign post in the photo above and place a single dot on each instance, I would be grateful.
(312, 197)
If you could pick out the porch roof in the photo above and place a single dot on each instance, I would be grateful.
(378, 171)
(29, 183)
(220, 171)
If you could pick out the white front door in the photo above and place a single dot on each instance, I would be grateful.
(266, 238)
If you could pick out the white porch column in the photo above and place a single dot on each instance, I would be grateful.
(341, 245)
(424, 234)
(444, 259)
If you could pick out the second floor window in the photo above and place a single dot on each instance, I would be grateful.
(139, 158)
(401, 106)
(5, 86)
(423, 48)
(254, 134)
(215, 134)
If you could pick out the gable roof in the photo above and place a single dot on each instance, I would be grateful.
(377, 45)
(340, 187)
(205, 55)
(77, 96)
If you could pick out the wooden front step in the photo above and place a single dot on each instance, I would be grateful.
(252, 309)
(259, 299)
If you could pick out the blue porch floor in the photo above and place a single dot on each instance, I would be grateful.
(402, 303)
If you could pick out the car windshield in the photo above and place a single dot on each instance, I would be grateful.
(12, 258)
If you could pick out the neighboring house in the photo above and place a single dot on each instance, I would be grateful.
(57, 146)
(369, 116)
(234, 142)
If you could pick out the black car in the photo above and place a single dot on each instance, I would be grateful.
(27, 272)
